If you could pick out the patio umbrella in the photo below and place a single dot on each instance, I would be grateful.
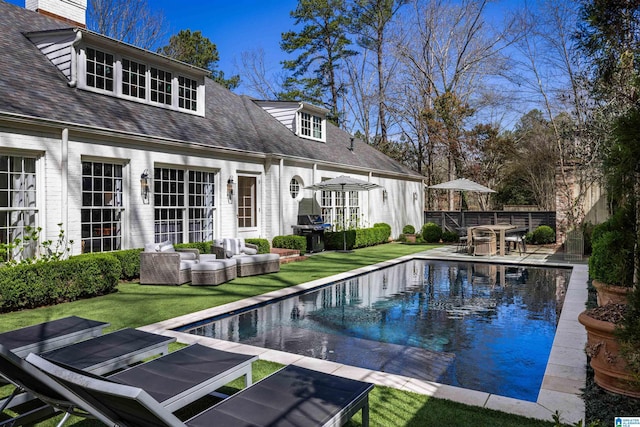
(462, 184)
(343, 183)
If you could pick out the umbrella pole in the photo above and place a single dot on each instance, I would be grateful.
(344, 222)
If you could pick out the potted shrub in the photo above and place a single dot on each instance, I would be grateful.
(613, 330)
(611, 261)
(409, 232)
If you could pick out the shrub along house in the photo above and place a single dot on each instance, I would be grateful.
(123, 146)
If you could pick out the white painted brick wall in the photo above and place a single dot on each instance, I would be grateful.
(74, 10)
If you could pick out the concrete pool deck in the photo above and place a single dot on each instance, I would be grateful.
(564, 377)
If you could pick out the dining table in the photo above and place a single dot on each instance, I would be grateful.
(499, 229)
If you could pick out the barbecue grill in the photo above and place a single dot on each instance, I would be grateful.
(312, 227)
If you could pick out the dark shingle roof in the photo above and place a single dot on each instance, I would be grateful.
(30, 85)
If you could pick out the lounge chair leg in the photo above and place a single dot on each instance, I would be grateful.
(365, 414)
(64, 419)
(6, 401)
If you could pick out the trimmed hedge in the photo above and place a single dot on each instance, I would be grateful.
(130, 263)
(262, 244)
(290, 242)
(46, 283)
(542, 235)
(387, 229)
(431, 232)
(202, 247)
(450, 237)
(358, 238)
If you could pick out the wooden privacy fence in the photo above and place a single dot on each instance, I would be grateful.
(451, 220)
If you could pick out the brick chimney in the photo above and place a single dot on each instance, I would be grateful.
(70, 11)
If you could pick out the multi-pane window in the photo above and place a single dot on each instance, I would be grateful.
(201, 206)
(102, 207)
(341, 209)
(317, 127)
(294, 187)
(310, 125)
(18, 208)
(169, 201)
(246, 201)
(179, 196)
(305, 124)
(99, 67)
(187, 93)
(160, 86)
(134, 79)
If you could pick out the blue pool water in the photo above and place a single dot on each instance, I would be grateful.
(474, 325)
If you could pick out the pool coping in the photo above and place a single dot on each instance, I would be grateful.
(564, 377)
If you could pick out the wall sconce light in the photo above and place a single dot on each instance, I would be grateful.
(230, 184)
(415, 197)
(144, 186)
(384, 195)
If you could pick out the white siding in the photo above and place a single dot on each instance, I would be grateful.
(284, 112)
(57, 48)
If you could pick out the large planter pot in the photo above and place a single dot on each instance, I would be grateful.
(611, 294)
(610, 368)
(411, 238)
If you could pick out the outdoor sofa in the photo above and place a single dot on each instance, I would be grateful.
(248, 261)
(162, 264)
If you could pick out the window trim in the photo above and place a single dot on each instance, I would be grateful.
(312, 118)
(118, 80)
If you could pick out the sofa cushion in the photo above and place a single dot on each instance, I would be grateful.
(166, 246)
(233, 245)
(249, 251)
(151, 247)
(187, 256)
(187, 263)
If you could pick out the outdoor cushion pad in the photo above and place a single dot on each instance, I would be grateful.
(46, 336)
(105, 348)
(293, 396)
(178, 371)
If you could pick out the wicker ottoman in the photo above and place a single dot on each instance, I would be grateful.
(250, 265)
(213, 273)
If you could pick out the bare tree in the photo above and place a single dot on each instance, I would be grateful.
(554, 77)
(131, 21)
(450, 56)
(255, 76)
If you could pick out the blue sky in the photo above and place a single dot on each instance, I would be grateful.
(234, 26)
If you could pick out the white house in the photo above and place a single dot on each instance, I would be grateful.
(123, 146)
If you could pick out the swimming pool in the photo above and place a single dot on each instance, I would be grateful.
(479, 326)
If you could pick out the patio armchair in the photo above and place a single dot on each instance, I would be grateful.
(248, 261)
(162, 264)
(483, 241)
(232, 248)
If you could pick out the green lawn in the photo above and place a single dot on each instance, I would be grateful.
(135, 305)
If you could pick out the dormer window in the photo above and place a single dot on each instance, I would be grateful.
(96, 63)
(305, 120)
(311, 126)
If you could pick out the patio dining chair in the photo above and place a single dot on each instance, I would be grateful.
(483, 241)
(293, 396)
(518, 238)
